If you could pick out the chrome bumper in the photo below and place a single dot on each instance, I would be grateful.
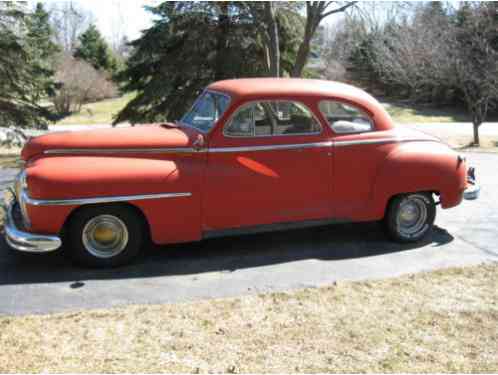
(472, 191)
(25, 241)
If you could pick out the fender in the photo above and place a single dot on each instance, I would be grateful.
(419, 166)
(54, 179)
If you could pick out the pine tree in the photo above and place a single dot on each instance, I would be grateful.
(21, 79)
(43, 50)
(190, 45)
(94, 49)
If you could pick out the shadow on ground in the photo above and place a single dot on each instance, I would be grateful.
(328, 243)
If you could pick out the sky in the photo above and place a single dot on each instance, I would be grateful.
(125, 17)
(116, 18)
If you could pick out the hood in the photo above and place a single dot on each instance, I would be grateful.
(137, 137)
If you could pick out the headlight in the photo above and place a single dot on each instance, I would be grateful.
(21, 188)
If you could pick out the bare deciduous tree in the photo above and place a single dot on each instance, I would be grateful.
(415, 55)
(265, 13)
(316, 12)
(476, 62)
(68, 21)
(118, 26)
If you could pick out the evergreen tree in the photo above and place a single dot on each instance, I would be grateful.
(190, 45)
(39, 38)
(21, 79)
(94, 49)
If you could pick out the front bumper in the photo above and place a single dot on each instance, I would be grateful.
(473, 189)
(25, 241)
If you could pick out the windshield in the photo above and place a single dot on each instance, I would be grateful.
(207, 109)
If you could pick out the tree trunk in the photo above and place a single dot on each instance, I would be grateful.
(273, 38)
(476, 133)
(221, 45)
(304, 48)
(316, 11)
(302, 57)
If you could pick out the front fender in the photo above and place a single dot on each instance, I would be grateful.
(420, 166)
(75, 177)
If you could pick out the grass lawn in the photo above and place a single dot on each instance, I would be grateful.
(442, 321)
(101, 112)
(411, 113)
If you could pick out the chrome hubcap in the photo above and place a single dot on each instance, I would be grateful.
(105, 236)
(412, 216)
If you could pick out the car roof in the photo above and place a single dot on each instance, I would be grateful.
(278, 86)
(254, 88)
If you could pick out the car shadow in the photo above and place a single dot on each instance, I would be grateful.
(329, 243)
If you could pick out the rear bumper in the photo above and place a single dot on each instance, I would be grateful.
(25, 241)
(472, 192)
(473, 189)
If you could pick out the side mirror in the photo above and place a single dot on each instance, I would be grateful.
(199, 142)
(341, 127)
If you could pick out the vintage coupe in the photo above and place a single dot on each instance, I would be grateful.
(251, 155)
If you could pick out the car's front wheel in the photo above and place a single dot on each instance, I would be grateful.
(410, 217)
(104, 236)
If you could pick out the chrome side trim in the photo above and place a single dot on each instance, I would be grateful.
(189, 150)
(110, 199)
(25, 241)
(296, 146)
(84, 151)
(317, 144)
(379, 141)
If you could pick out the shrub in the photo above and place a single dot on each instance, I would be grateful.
(78, 83)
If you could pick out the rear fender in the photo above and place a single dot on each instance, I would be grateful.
(419, 166)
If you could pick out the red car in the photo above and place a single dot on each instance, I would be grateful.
(251, 155)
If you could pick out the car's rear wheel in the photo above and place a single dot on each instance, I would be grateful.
(104, 236)
(410, 217)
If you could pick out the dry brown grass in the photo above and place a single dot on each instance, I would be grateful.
(443, 321)
(10, 161)
(488, 144)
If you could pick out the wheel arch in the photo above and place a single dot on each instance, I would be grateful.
(137, 210)
(419, 167)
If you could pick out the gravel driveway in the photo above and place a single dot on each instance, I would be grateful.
(465, 235)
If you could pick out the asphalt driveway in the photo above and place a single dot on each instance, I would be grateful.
(466, 235)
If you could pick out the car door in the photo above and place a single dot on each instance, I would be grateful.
(359, 151)
(272, 163)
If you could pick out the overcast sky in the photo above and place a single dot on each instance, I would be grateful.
(115, 18)
(125, 17)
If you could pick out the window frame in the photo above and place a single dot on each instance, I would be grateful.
(356, 106)
(215, 122)
(244, 105)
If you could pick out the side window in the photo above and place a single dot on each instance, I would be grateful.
(262, 120)
(344, 118)
(242, 123)
(272, 118)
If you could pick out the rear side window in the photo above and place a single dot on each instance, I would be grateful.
(345, 118)
(272, 118)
